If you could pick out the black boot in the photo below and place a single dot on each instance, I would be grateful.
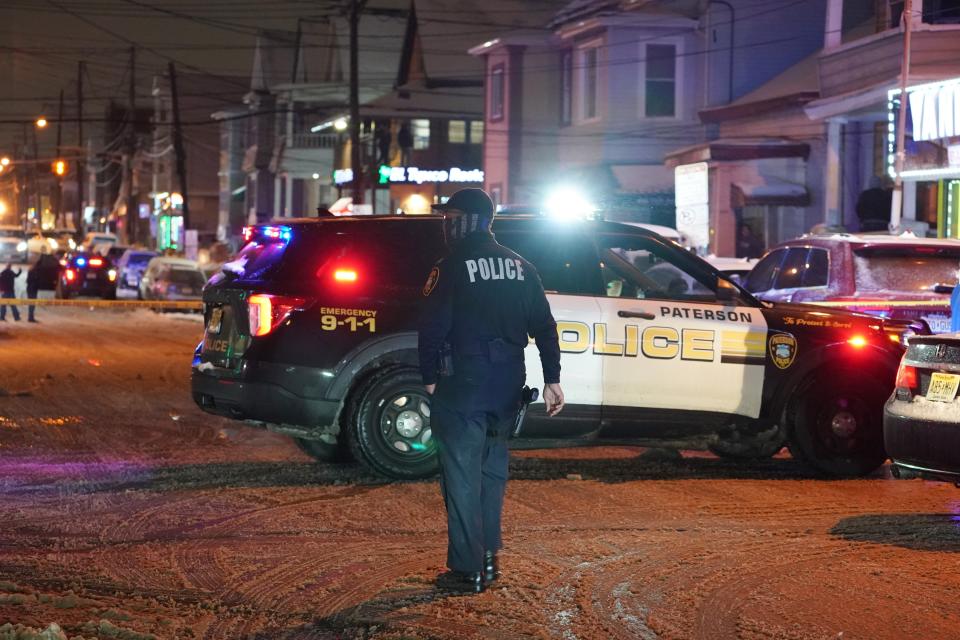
(460, 581)
(491, 568)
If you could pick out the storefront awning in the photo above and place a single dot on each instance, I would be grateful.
(770, 190)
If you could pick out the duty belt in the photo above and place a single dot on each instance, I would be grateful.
(498, 350)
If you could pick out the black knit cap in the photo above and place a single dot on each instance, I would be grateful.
(473, 201)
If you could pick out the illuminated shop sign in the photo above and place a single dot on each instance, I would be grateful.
(932, 136)
(415, 175)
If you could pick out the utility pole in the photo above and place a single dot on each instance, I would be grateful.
(58, 210)
(896, 202)
(79, 168)
(356, 163)
(178, 146)
(133, 215)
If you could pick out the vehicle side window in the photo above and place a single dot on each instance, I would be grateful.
(761, 276)
(791, 271)
(566, 264)
(638, 267)
(818, 269)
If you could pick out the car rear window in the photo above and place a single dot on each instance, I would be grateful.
(190, 277)
(139, 259)
(905, 269)
(256, 260)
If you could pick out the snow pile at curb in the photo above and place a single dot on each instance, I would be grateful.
(20, 632)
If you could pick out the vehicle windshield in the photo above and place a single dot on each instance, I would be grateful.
(902, 270)
(139, 259)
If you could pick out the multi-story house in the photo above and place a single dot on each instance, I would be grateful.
(859, 100)
(600, 99)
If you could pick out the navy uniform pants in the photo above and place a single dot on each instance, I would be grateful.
(471, 420)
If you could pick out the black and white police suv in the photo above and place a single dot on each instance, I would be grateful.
(311, 332)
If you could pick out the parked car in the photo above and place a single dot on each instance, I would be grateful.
(13, 244)
(888, 276)
(98, 241)
(87, 275)
(167, 278)
(131, 266)
(921, 420)
(57, 241)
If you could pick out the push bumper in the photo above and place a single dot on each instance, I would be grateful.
(920, 446)
(265, 397)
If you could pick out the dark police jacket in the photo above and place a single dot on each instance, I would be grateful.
(482, 302)
(8, 279)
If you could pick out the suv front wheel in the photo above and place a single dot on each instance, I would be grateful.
(389, 426)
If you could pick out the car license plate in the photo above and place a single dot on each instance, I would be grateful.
(91, 276)
(216, 319)
(938, 323)
(943, 387)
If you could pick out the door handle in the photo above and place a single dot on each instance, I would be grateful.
(643, 315)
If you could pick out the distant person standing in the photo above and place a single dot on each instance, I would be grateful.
(42, 275)
(748, 246)
(8, 283)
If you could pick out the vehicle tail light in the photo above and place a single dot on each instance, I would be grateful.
(112, 275)
(857, 342)
(907, 377)
(345, 275)
(266, 312)
(96, 262)
(70, 275)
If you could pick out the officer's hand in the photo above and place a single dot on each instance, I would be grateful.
(553, 397)
(430, 388)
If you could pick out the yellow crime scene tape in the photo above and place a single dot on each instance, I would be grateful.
(190, 305)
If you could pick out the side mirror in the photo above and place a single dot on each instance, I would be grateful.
(726, 292)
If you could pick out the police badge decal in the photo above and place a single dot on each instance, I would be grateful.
(431, 281)
(783, 349)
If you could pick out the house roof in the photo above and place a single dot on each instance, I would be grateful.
(799, 84)
(441, 31)
(585, 9)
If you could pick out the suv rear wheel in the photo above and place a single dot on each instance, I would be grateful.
(837, 425)
(389, 426)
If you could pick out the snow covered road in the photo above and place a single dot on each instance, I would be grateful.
(125, 512)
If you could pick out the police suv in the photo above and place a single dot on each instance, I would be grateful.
(310, 331)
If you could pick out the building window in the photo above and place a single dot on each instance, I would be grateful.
(496, 93)
(566, 87)
(496, 194)
(660, 81)
(421, 133)
(590, 82)
(457, 131)
(476, 132)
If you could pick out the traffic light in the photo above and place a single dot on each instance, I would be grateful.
(60, 167)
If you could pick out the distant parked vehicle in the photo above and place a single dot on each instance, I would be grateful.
(131, 266)
(13, 244)
(87, 275)
(98, 241)
(893, 277)
(168, 278)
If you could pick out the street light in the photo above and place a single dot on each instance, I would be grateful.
(41, 122)
(4, 161)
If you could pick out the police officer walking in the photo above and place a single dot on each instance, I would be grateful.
(482, 303)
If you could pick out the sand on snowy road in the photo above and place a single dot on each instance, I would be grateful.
(125, 512)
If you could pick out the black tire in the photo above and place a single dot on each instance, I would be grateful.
(837, 422)
(322, 451)
(392, 397)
